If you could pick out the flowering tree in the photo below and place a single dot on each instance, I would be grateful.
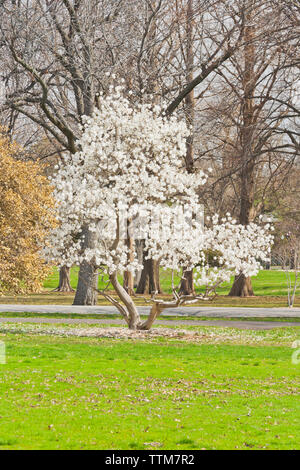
(131, 168)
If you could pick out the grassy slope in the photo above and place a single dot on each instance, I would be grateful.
(71, 393)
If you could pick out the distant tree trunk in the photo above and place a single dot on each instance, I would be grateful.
(139, 246)
(128, 280)
(242, 286)
(64, 280)
(187, 283)
(86, 293)
(157, 277)
(190, 99)
(149, 281)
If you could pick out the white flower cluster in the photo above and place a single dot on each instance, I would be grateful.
(235, 248)
(132, 162)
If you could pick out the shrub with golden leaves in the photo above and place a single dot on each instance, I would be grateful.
(26, 216)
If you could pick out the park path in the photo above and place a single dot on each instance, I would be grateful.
(213, 312)
(237, 313)
(242, 324)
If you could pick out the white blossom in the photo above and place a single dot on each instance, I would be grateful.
(131, 161)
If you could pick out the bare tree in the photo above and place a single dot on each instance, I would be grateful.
(287, 253)
(253, 118)
(58, 56)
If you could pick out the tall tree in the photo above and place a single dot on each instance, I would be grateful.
(252, 117)
(187, 283)
(57, 57)
(26, 216)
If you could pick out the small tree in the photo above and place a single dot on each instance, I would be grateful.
(287, 252)
(131, 167)
(26, 215)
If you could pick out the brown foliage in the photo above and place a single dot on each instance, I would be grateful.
(26, 215)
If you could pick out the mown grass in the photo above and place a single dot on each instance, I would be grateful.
(267, 283)
(269, 288)
(89, 393)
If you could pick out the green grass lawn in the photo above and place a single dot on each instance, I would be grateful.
(269, 288)
(89, 393)
(267, 283)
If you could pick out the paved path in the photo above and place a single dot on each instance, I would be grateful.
(224, 312)
(243, 325)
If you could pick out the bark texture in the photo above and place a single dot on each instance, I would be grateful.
(86, 293)
(130, 312)
(64, 280)
(128, 281)
(139, 246)
(187, 283)
(242, 287)
(149, 281)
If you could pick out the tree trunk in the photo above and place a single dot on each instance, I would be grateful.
(64, 280)
(139, 246)
(149, 281)
(157, 277)
(131, 311)
(128, 280)
(86, 293)
(190, 99)
(187, 283)
(154, 313)
(242, 287)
